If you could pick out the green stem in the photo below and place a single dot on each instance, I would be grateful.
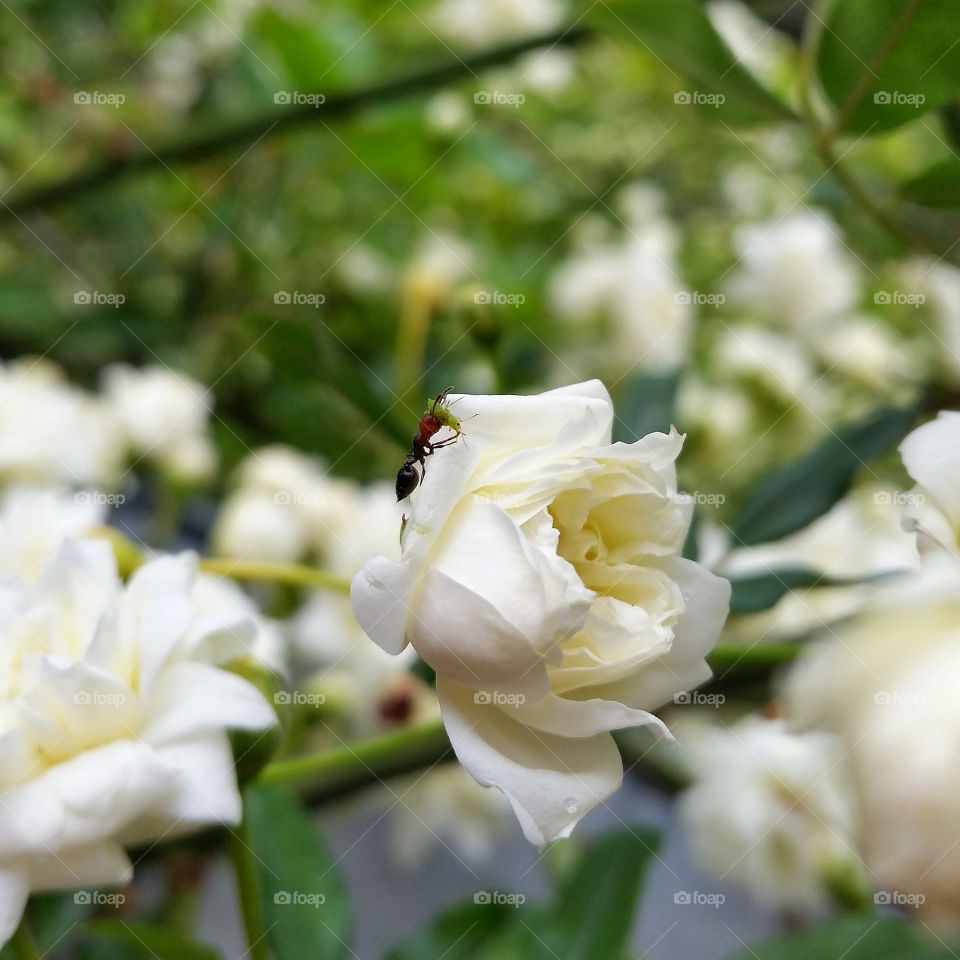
(253, 131)
(343, 769)
(248, 892)
(22, 944)
(823, 140)
(290, 573)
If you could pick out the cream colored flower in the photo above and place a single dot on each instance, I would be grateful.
(541, 578)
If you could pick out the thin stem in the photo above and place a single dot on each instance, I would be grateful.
(260, 128)
(290, 573)
(22, 944)
(343, 769)
(823, 139)
(248, 892)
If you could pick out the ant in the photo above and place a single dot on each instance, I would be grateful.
(436, 417)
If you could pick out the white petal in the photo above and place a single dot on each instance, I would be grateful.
(14, 890)
(99, 865)
(192, 697)
(379, 595)
(550, 781)
(931, 455)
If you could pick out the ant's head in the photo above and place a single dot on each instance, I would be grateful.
(408, 479)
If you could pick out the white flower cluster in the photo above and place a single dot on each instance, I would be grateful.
(856, 782)
(55, 434)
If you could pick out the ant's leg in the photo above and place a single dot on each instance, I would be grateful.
(441, 397)
(444, 443)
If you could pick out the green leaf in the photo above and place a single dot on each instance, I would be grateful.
(304, 903)
(886, 62)
(595, 907)
(144, 940)
(464, 932)
(937, 186)
(796, 494)
(680, 35)
(646, 405)
(760, 591)
(590, 918)
(862, 936)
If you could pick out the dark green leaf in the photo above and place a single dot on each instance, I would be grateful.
(760, 591)
(464, 932)
(937, 186)
(680, 35)
(646, 404)
(853, 937)
(144, 940)
(805, 489)
(886, 62)
(595, 907)
(304, 903)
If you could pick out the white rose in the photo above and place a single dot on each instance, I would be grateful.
(931, 455)
(113, 719)
(164, 415)
(886, 683)
(542, 581)
(770, 810)
(255, 525)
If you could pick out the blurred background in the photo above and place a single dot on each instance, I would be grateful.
(242, 241)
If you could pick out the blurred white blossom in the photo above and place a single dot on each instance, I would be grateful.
(796, 271)
(472, 24)
(52, 433)
(770, 810)
(164, 416)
